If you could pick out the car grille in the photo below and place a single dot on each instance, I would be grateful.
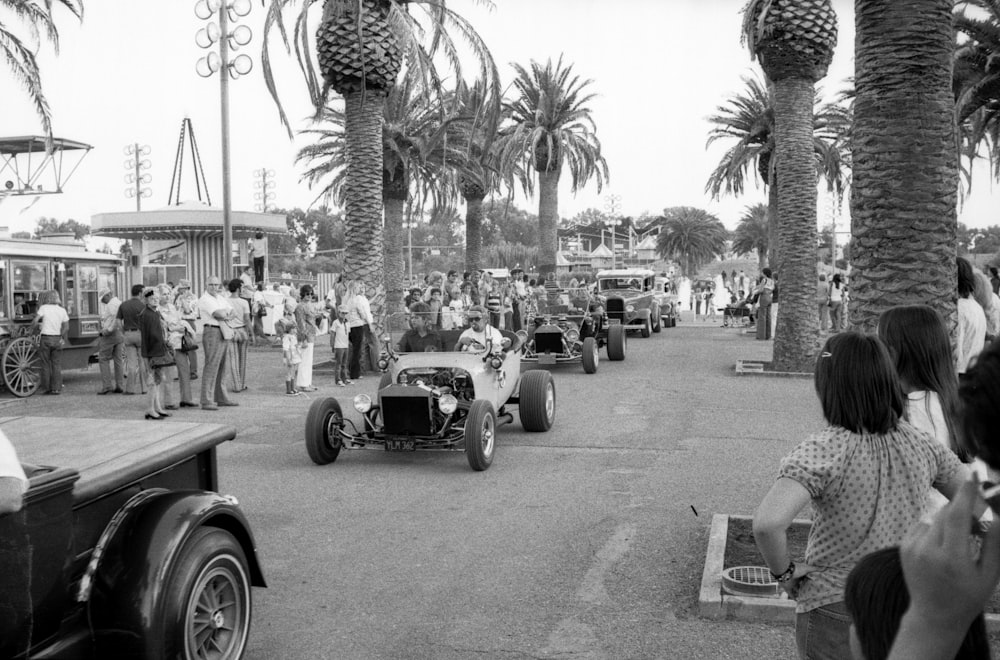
(548, 341)
(406, 410)
(615, 308)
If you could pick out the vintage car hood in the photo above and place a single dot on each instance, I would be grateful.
(627, 294)
(484, 378)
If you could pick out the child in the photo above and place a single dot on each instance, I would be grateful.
(867, 475)
(291, 353)
(339, 342)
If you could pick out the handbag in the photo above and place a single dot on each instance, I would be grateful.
(227, 331)
(188, 343)
(166, 360)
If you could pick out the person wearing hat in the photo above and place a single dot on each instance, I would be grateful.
(111, 345)
(187, 303)
(340, 343)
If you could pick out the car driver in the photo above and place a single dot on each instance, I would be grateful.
(420, 337)
(480, 334)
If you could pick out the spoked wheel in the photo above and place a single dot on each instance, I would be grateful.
(323, 422)
(22, 367)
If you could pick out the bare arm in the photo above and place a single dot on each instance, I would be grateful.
(770, 526)
(951, 488)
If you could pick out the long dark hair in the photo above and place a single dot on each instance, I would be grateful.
(966, 278)
(876, 598)
(979, 393)
(918, 341)
(857, 384)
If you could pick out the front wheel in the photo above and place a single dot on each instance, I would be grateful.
(323, 422)
(480, 434)
(537, 401)
(657, 322)
(616, 342)
(207, 606)
(590, 355)
(646, 328)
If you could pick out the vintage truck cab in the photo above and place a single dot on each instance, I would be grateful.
(630, 299)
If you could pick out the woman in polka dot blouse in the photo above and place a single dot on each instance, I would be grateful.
(867, 475)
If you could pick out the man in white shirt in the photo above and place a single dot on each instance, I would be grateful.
(13, 482)
(215, 311)
(111, 345)
(481, 334)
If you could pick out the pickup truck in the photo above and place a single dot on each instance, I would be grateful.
(124, 546)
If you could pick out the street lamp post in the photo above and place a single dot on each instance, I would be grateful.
(135, 178)
(207, 37)
(613, 204)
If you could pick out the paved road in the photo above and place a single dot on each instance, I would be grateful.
(578, 543)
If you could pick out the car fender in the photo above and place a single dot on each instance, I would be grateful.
(131, 575)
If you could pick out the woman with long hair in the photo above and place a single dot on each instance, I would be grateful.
(970, 336)
(866, 474)
(359, 316)
(52, 322)
(174, 328)
(836, 298)
(305, 322)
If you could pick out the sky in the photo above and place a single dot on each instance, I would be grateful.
(127, 75)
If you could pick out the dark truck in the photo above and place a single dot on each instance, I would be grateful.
(124, 547)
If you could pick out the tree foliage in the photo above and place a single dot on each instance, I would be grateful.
(54, 226)
(751, 233)
(690, 236)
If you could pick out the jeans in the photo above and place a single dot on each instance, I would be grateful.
(836, 316)
(357, 337)
(824, 315)
(340, 364)
(50, 352)
(111, 349)
(135, 366)
(823, 633)
(213, 386)
(258, 269)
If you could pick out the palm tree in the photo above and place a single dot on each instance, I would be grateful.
(746, 121)
(976, 79)
(752, 233)
(361, 46)
(551, 126)
(416, 158)
(794, 41)
(905, 179)
(690, 236)
(20, 54)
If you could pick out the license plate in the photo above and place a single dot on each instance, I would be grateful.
(546, 358)
(400, 445)
(614, 321)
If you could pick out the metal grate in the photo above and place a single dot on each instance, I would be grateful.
(749, 581)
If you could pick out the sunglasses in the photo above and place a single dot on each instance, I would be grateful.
(475, 318)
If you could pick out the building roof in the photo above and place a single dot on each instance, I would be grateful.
(601, 251)
(648, 243)
(183, 221)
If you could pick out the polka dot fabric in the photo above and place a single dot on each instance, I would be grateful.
(867, 491)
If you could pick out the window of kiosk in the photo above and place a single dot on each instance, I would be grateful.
(88, 284)
(107, 278)
(28, 279)
(164, 261)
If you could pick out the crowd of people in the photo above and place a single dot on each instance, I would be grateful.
(890, 566)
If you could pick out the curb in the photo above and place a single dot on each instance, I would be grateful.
(756, 368)
(715, 605)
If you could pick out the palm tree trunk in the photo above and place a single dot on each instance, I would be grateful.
(548, 217)
(905, 172)
(363, 258)
(797, 329)
(395, 266)
(773, 255)
(473, 231)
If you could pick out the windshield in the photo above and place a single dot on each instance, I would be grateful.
(558, 302)
(611, 283)
(416, 333)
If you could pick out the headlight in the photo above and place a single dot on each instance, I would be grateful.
(629, 308)
(448, 404)
(572, 335)
(496, 361)
(362, 403)
(383, 364)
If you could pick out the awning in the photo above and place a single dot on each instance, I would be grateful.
(187, 220)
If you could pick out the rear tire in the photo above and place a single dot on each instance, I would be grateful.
(322, 423)
(657, 321)
(616, 343)
(480, 434)
(207, 603)
(537, 401)
(591, 356)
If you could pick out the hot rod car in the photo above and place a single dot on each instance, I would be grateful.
(438, 400)
(629, 298)
(123, 548)
(667, 300)
(570, 326)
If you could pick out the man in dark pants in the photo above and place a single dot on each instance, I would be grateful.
(135, 366)
(215, 310)
(111, 345)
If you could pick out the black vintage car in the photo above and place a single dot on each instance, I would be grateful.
(571, 326)
(124, 547)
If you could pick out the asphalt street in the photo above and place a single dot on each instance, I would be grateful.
(584, 542)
